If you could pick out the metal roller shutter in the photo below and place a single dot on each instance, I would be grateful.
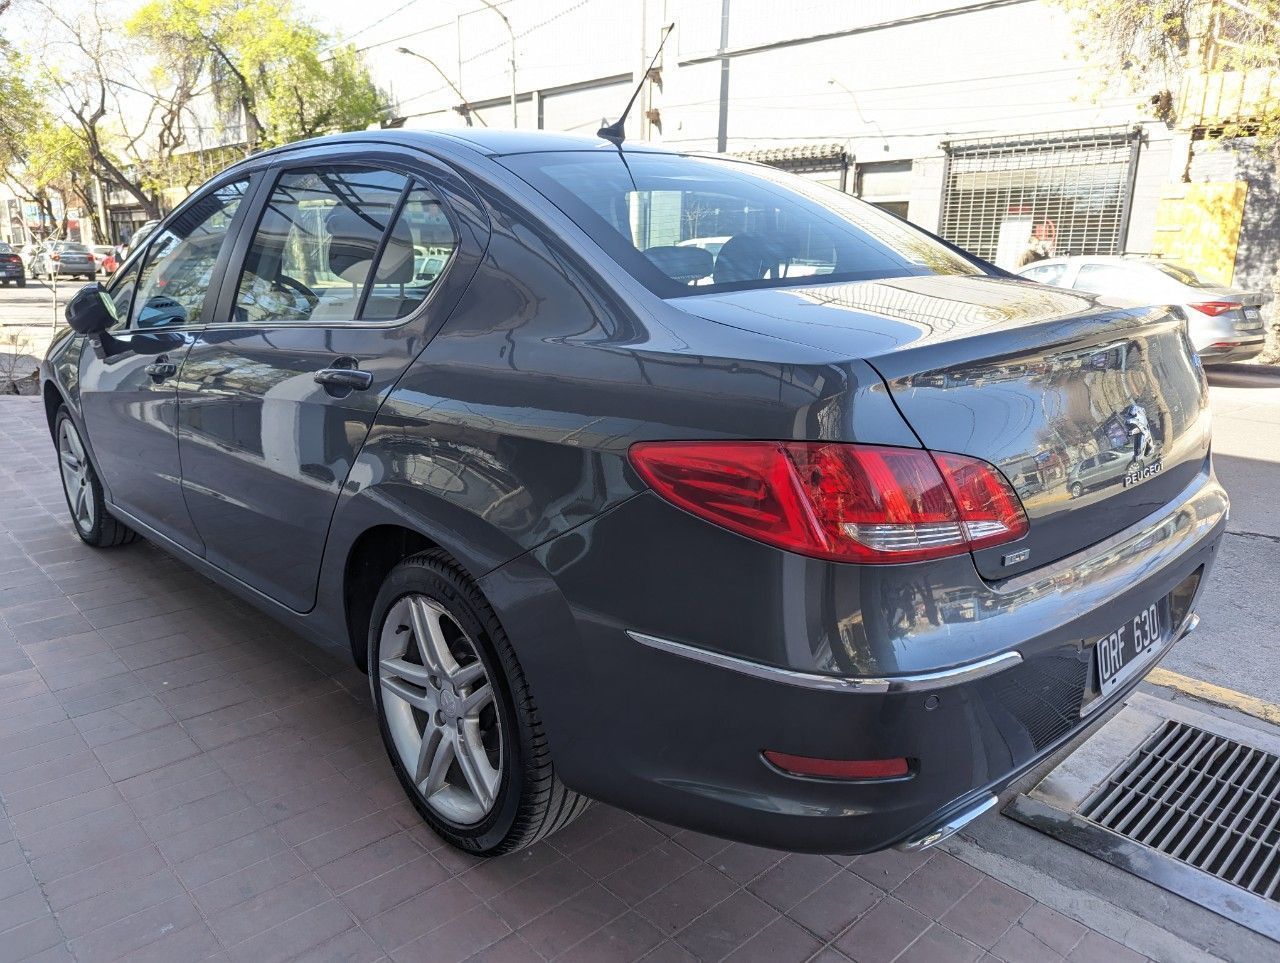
(1067, 191)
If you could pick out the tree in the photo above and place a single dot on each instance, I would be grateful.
(89, 77)
(41, 158)
(1153, 43)
(265, 63)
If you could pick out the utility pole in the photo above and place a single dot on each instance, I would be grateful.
(515, 116)
(722, 129)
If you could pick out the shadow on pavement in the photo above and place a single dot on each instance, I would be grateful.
(1243, 375)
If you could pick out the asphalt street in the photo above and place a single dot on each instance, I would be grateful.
(1238, 644)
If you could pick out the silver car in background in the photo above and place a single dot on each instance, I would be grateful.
(66, 258)
(1225, 323)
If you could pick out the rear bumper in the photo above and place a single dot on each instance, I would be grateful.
(672, 725)
(1233, 351)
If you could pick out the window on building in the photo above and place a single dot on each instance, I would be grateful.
(886, 184)
(180, 260)
(1064, 193)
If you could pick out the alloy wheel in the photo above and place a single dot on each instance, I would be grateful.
(75, 476)
(441, 710)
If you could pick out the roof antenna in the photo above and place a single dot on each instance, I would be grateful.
(616, 133)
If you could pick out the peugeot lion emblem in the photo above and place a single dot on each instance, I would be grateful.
(1138, 425)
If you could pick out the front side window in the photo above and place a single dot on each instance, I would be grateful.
(686, 225)
(180, 260)
(121, 294)
(313, 253)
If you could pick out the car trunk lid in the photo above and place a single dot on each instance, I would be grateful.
(1096, 414)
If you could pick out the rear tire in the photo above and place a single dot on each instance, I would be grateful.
(1076, 490)
(22, 282)
(85, 500)
(422, 697)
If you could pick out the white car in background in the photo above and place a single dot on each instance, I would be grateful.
(1225, 323)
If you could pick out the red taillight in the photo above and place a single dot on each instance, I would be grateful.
(849, 503)
(838, 768)
(55, 257)
(1215, 308)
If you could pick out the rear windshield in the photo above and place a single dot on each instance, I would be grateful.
(5, 248)
(690, 225)
(69, 247)
(1179, 273)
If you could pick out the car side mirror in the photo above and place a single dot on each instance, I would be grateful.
(91, 311)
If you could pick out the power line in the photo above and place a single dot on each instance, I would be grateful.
(367, 27)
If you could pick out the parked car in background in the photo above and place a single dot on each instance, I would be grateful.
(1225, 323)
(140, 235)
(63, 259)
(104, 255)
(11, 271)
(608, 516)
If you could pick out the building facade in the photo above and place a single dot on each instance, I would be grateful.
(977, 119)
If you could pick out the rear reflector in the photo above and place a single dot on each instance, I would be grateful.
(851, 503)
(1215, 308)
(838, 768)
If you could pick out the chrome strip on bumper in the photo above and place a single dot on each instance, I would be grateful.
(834, 683)
(949, 827)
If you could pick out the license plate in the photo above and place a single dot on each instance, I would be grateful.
(1125, 650)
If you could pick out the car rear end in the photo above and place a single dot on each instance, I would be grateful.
(1226, 324)
(104, 259)
(10, 265)
(845, 640)
(72, 259)
(855, 596)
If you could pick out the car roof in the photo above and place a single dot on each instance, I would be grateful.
(481, 139)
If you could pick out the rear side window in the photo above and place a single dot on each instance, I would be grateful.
(1104, 279)
(180, 260)
(312, 255)
(421, 244)
(1046, 274)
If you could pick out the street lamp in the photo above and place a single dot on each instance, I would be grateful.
(862, 117)
(515, 119)
(465, 108)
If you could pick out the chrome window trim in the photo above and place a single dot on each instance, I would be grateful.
(917, 682)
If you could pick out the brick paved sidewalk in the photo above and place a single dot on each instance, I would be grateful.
(181, 779)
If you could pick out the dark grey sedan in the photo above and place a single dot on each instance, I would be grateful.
(63, 259)
(776, 541)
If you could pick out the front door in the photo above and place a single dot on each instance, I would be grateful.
(128, 378)
(337, 294)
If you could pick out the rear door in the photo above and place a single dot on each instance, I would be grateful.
(329, 300)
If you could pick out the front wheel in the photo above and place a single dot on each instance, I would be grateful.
(456, 714)
(80, 484)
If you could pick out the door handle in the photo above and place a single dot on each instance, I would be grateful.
(161, 368)
(348, 378)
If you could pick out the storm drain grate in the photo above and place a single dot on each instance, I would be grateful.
(1209, 801)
